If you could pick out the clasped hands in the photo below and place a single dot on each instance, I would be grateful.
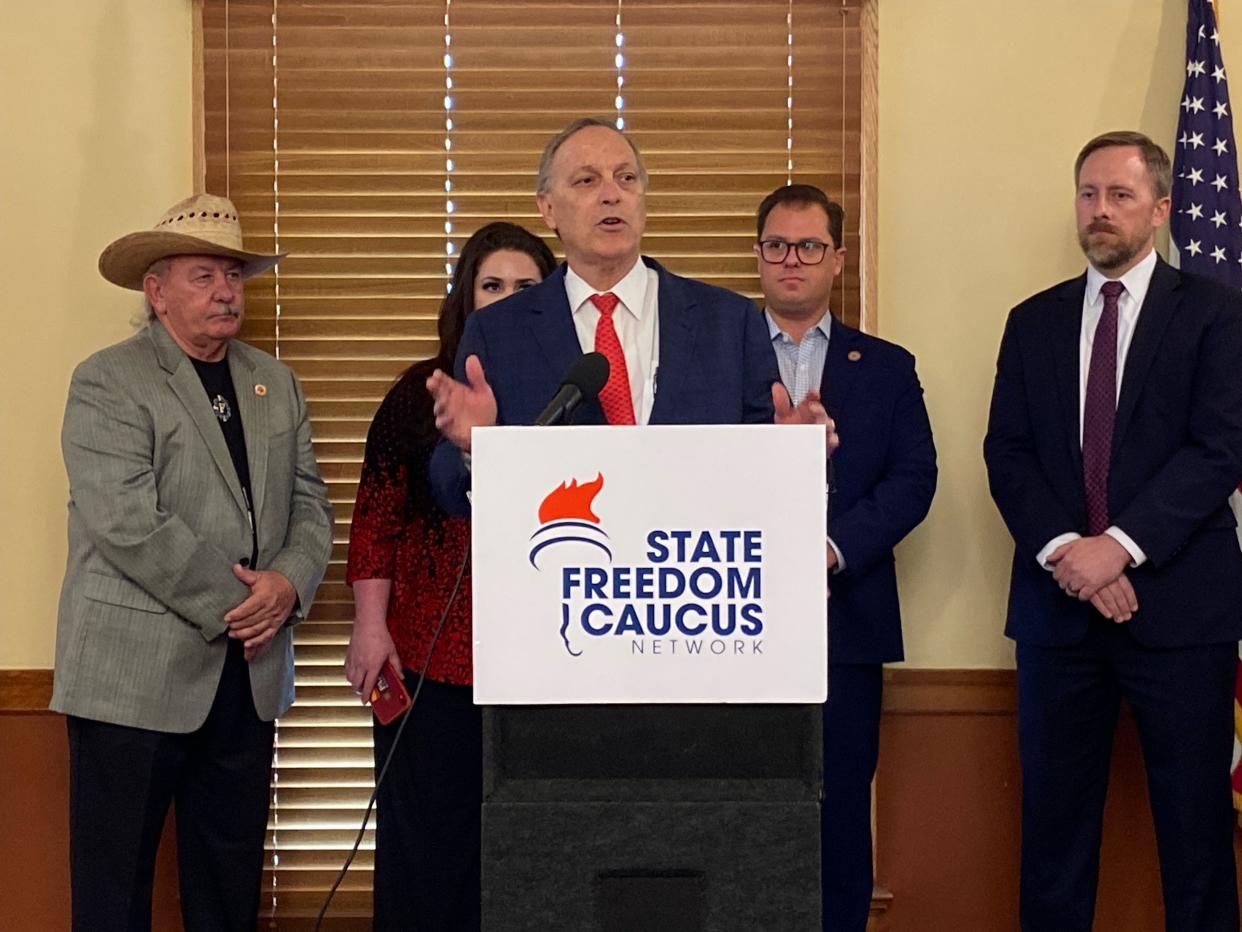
(461, 406)
(1092, 569)
(256, 620)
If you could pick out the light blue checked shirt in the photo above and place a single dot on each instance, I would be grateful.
(802, 369)
(801, 364)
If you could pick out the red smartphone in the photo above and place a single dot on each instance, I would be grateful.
(389, 697)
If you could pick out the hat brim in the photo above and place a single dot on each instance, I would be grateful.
(125, 262)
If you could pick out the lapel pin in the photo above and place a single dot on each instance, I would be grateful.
(853, 355)
(260, 389)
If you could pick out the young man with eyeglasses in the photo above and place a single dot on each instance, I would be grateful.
(884, 476)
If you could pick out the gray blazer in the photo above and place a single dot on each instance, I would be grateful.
(156, 521)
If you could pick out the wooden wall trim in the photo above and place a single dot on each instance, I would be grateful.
(25, 690)
(950, 692)
(198, 119)
(906, 691)
(869, 170)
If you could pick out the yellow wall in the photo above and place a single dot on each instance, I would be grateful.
(983, 105)
(96, 142)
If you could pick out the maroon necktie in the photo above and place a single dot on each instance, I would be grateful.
(615, 397)
(1100, 410)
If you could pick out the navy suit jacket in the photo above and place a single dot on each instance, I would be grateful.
(883, 476)
(716, 363)
(1177, 455)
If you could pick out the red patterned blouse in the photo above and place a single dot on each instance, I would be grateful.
(399, 533)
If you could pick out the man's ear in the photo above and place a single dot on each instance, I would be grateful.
(153, 288)
(544, 203)
(1160, 217)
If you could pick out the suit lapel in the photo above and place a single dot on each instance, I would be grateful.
(840, 373)
(678, 327)
(551, 323)
(253, 409)
(188, 388)
(1066, 331)
(1158, 307)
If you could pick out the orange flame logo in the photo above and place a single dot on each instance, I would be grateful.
(571, 502)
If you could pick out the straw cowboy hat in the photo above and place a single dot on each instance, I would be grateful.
(202, 225)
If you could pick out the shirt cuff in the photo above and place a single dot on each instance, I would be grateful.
(1042, 557)
(1137, 557)
(840, 557)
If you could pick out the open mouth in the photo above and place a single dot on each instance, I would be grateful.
(612, 223)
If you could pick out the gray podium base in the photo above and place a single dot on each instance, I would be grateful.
(651, 819)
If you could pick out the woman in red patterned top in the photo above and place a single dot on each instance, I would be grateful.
(405, 555)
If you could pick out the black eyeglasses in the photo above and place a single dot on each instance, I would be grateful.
(809, 251)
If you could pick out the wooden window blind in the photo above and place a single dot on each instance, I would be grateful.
(368, 138)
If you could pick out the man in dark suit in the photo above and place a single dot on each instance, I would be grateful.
(680, 351)
(884, 477)
(1114, 440)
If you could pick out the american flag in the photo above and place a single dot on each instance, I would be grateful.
(1207, 209)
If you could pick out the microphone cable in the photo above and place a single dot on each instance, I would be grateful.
(405, 720)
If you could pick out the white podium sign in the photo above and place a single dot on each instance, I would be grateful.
(649, 565)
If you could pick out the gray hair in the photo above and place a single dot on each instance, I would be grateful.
(159, 268)
(544, 181)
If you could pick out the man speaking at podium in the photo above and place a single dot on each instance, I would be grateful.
(679, 351)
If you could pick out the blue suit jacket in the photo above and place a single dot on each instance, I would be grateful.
(716, 364)
(884, 477)
(1177, 455)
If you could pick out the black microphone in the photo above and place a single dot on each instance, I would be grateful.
(583, 381)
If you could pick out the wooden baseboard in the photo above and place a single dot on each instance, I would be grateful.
(906, 691)
(25, 690)
(950, 692)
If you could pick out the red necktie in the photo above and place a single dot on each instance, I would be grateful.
(1100, 410)
(615, 397)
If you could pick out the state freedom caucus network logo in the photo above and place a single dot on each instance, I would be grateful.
(694, 591)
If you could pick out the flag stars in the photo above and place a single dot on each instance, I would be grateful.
(1219, 254)
(1195, 247)
(1195, 68)
(1221, 109)
(1195, 176)
(1218, 218)
(1221, 147)
(1197, 104)
(1215, 40)
(1218, 73)
(1196, 140)
(1220, 183)
(1195, 212)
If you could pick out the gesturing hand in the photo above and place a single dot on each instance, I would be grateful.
(459, 407)
(809, 411)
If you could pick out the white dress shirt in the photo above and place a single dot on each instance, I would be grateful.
(1129, 303)
(636, 319)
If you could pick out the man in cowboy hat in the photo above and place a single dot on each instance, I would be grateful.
(198, 531)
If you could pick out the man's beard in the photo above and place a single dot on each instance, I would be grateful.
(1111, 254)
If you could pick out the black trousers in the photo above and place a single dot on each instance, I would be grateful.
(427, 819)
(121, 783)
(851, 751)
(1068, 701)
